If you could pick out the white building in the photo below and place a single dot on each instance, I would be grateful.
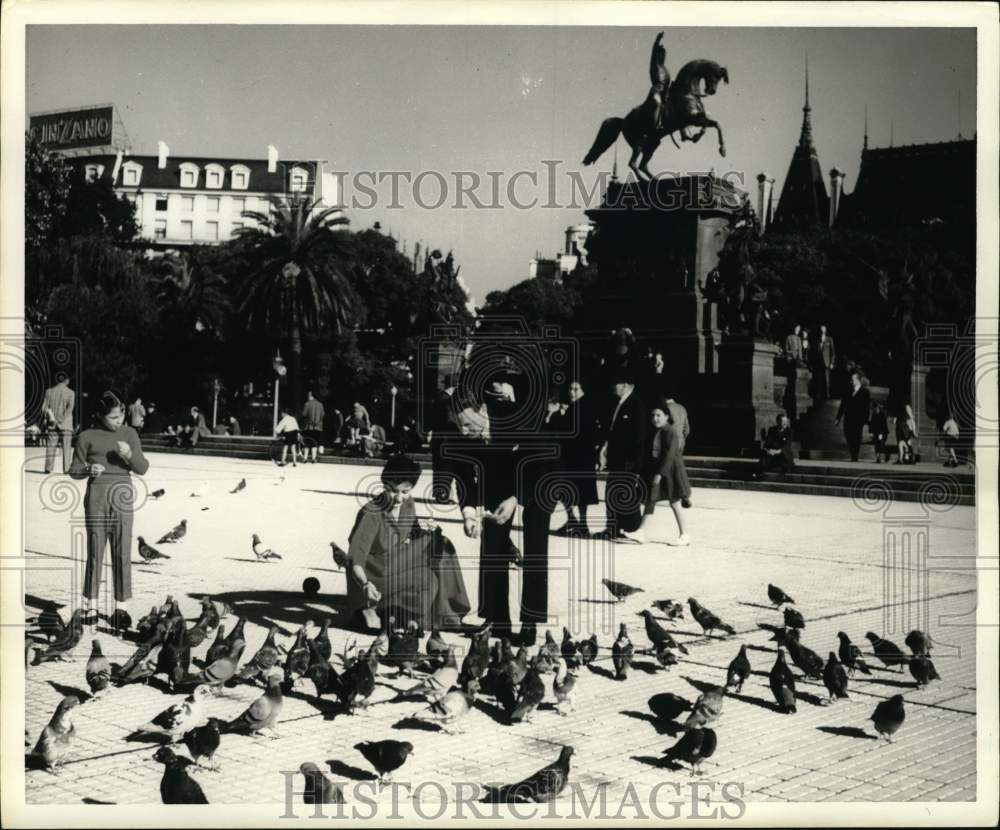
(564, 263)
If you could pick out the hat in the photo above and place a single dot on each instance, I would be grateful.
(108, 401)
(625, 375)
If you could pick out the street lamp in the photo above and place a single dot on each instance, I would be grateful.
(278, 364)
(392, 412)
(216, 388)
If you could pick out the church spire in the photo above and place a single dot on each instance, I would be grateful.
(806, 137)
(865, 147)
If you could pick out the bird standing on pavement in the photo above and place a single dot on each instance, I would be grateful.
(477, 660)
(549, 653)
(262, 714)
(266, 658)
(807, 660)
(793, 619)
(563, 685)
(887, 651)
(708, 621)
(298, 660)
(447, 709)
(203, 741)
(782, 684)
(54, 743)
(568, 649)
(262, 553)
(318, 788)
(176, 786)
(385, 756)
(64, 642)
(707, 708)
(438, 684)
(179, 718)
(670, 609)
(321, 642)
(694, 746)
(49, 621)
(918, 642)
(542, 786)
(835, 678)
(658, 635)
(175, 534)
(889, 716)
(777, 596)
(619, 590)
(850, 655)
(621, 653)
(587, 649)
(218, 648)
(739, 670)
(240, 486)
(209, 618)
(923, 670)
(98, 669)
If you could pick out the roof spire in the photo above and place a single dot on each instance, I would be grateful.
(805, 137)
(960, 115)
(866, 128)
(807, 80)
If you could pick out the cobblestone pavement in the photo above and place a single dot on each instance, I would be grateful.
(828, 553)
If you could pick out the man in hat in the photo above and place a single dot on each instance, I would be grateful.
(622, 456)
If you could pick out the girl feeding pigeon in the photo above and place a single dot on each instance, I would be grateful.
(398, 568)
(666, 479)
(106, 456)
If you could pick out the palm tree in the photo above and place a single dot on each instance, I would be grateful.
(296, 285)
(191, 288)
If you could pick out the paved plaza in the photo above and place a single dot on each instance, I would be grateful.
(830, 554)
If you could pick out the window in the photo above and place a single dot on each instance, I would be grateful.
(187, 204)
(239, 205)
(240, 176)
(131, 172)
(189, 174)
(213, 175)
(212, 231)
(160, 231)
(187, 230)
(161, 203)
(298, 179)
(212, 204)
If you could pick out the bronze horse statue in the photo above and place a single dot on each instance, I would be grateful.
(684, 113)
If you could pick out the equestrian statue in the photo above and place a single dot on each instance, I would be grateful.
(669, 108)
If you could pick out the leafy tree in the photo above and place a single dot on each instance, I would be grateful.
(94, 209)
(537, 301)
(46, 194)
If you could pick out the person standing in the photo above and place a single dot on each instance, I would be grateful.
(623, 455)
(444, 423)
(579, 452)
(679, 420)
(826, 359)
(793, 348)
(879, 428)
(58, 407)
(153, 420)
(137, 415)
(288, 429)
(106, 456)
(854, 411)
(312, 426)
(666, 479)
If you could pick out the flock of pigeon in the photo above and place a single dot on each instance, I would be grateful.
(449, 691)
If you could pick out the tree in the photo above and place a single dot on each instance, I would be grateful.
(46, 194)
(296, 284)
(537, 301)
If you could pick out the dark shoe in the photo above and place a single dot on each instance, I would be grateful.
(686, 503)
(526, 637)
(604, 534)
(90, 617)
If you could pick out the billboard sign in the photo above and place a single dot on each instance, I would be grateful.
(74, 129)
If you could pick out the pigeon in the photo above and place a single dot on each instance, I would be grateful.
(358, 681)
(262, 714)
(670, 609)
(175, 534)
(706, 619)
(530, 693)
(146, 627)
(385, 756)
(325, 679)
(918, 642)
(195, 636)
(850, 655)
(215, 674)
(887, 651)
(707, 708)
(889, 716)
(98, 669)
(318, 788)
(321, 644)
(549, 654)
(67, 640)
(404, 647)
(237, 635)
(777, 596)
(694, 746)
(54, 742)
(175, 657)
(779, 633)
(562, 686)
(179, 718)
(49, 621)
(298, 661)
(619, 590)
(438, 684)
(203, 741)
(263, 554)
(835, 678)
(148, 552)
(923, 670)
(267, 657)
(158, 494)
(793, 619)
(200, 490)
(668, 706)
(587, 649)
(544, 785)
(477, 661)
(176, 786)
(209, 618)
(664, 656)
(436, 648)
(739, 670)
(219, 648)
(340, 557)
(658, 634)
(143, 665)
(808, 661)
(448, 708)
(241, 486)
(782, 684)
(621, 653)
(568, 649)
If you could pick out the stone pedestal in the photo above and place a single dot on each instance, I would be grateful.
(742, 402)
(927, 430)
(796, 401)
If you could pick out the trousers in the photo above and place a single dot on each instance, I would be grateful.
(55, 435)
(108, 520)
(623, 500)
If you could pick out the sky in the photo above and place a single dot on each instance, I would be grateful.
(499, 100)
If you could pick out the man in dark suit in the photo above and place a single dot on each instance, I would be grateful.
(826, 358)
(854, 412)
(442, 425)
(622, 456)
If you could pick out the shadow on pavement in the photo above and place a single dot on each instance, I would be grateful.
(663, 727)
(770, 705)
(348, 771)
(846, 732)
(70, 691)
(289, 607)
(654, 761)
(416, 723)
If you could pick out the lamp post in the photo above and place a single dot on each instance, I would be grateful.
(279, 372)
(216, 387)
(393, 391)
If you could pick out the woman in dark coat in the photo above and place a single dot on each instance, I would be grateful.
(398, 568)
(579, 459)
(666, 479)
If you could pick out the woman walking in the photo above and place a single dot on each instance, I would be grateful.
(106, 456)
(666, 480)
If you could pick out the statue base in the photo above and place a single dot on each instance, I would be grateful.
(742, 401)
